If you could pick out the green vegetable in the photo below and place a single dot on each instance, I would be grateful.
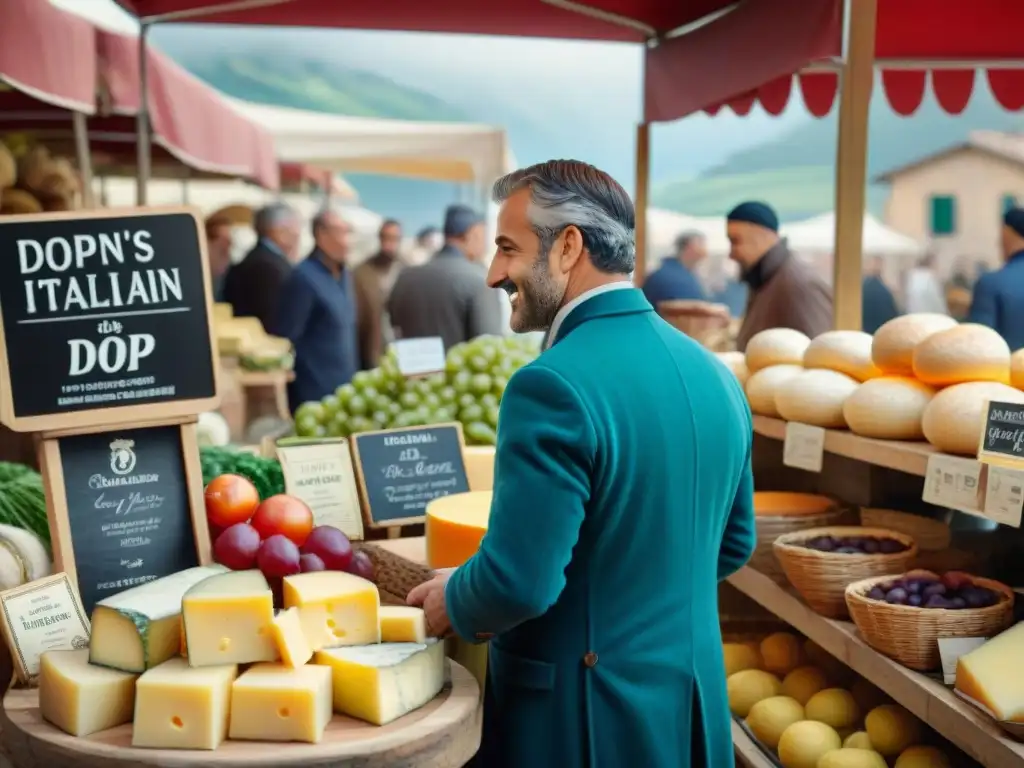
(264, 473)
(23, 500)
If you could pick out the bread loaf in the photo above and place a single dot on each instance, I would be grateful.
(892, 349)
(888, 408)
(815, 397)
(847, 352)
(761, 387)
(776, 346)
(968, 352)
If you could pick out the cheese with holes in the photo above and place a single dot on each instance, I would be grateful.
(335, 608)
(952, 422)
(993, 675)
(892, 348)
(228, 620)
(968, 352)
(847, 352)
(455, 526)
(81, 698)
(380, 683)
(776, 346)
(762, 386)
(479, 460)
(272, 702)
(815, 397)
(888, 408)
(139, 628)
(183, 707)
(292, 644)
(402, 624)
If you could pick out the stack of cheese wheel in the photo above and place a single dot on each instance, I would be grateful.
(773, 357)
(735, 362)
(455, 526)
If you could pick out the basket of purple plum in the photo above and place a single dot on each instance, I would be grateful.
(822, 562)
(904, 617)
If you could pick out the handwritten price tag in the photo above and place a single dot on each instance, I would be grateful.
(1004, 495)
(418, 357)
(804, 447)
(953, 482)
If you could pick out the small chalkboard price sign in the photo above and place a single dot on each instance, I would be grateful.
(126, 506)
(104, 319)
(1002, 437)
(399, 471)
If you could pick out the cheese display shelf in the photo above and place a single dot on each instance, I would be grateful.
(923, 696)
(443, 733)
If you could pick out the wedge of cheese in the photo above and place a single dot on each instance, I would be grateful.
(81, 698)
(402, 624)
(228, 620)
(455, 527)
(292, 644)
(335, 608)
(182, 707)
(993, 675)
(272, 702)
(138, 629)
(381, 683)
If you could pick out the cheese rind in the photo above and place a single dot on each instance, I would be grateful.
(993, 675)
(335, 608)
(455, 526)
(272, 702)
(380, 683)
(81, 698)
(138, 629)
(228, 620)
(402, 624)
(183, 707)
(292, 644)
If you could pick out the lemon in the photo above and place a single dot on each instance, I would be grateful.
(892, 729)
(834, 707)
(781, 652)
(749, 686)
(803, 744)
(804, 682)
(769, 717)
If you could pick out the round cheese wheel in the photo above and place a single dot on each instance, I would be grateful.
(893, 346)
(968, 352)
(776, 346)
(735, 362)
(815, 397)
(455, 526)
(761, 387)
(888, 408)
(847, 352)
(1017, 369)
(952, 420)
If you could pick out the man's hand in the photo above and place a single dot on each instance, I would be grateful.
(430, 596)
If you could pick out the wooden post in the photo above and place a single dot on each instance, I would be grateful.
(643, 170)
(856, 81)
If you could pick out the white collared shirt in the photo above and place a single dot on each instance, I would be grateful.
(585, 296)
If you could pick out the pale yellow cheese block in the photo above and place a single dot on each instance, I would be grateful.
(380, 683)
(479, 460)
(335, 608)
(272, 702)
(183, 707)
(455, 526)
(993, 675)
(402, 624)
(292, 644)
(228, 620)
(80, 698)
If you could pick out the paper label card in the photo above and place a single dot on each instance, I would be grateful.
(804, 447)
(953, 482)
(1004, 495)
(419, 357)
(950, 651)
(321, 474)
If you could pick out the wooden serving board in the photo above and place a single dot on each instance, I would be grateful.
(443, 734)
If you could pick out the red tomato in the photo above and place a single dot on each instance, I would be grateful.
(284, 515)
(230, 499)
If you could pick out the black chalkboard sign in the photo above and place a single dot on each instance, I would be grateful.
(128, 506)
(1004, 431)
(399, 471)
(102, 311)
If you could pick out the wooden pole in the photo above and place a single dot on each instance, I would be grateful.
(856, 82)
(142, 125)
(643, 170)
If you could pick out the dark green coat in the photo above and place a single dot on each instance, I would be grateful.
(623, 494)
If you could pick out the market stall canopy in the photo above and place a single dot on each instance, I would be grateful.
(819, 234)
(460, 152)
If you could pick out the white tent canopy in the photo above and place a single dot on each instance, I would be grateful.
(663, 227)
(818, 234)
(458, 152)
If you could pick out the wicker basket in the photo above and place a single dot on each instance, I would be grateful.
(821, 578)
(395, 576)
(815, 512)
(910, 635)
(930, 535)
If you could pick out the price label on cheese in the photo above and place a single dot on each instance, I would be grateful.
(804, 447)
(953, 482)
(419, 357)
(950, 651)
(1004, 495)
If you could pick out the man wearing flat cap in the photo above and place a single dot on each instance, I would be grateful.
(448, 296)
(784, 291)
(998, 300)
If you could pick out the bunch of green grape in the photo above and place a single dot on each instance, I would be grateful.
(468, 391)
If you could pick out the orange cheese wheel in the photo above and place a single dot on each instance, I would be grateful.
(968, 352)
(1017, 369)
(789, 504)
(455, 527)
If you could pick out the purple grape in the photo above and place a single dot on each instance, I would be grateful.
(848, 551)
(876, 593)
(975, 597)
(957, 603)
(871, 546)
(890, 546)
(896, 596)
(915, 600)
(914, 586)
(937, 601)
(935, 588)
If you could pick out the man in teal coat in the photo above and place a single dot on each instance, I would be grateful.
(623, 495)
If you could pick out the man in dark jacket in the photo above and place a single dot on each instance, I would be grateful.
(999, 296)
(877, 303)
(674, 280)
(253, 286)
(448, 296)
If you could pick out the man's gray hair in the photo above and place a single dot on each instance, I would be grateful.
(572, 193)
(689, 236)
(272, 215)
(320, 218)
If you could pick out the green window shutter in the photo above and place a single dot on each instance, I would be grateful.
(943, 215)
(1009, 201)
